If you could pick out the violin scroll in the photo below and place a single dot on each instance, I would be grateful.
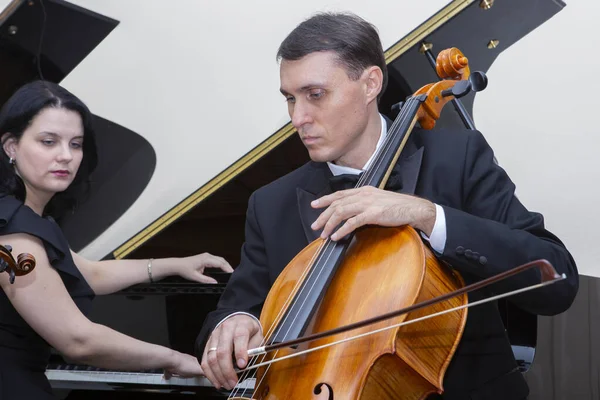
(25, 263)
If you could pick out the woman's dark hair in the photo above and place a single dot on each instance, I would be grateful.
(18, 113)
(354, 40)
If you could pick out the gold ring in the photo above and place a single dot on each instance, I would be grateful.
(211, 349)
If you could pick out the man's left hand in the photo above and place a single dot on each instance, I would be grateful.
(371, 206)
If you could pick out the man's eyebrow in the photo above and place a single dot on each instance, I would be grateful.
(304, 88)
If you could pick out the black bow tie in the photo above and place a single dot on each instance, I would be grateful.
(349, 181)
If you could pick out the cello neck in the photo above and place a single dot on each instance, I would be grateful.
(322, 268)
(387, 155)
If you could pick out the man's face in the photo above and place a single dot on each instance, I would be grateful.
(328, 109)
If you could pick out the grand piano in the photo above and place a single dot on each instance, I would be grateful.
(211, 218)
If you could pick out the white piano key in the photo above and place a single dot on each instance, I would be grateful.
(64, 377)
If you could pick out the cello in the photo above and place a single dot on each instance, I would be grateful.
(24, 264)
(367, 275)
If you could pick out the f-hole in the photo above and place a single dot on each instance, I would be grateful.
(318, 389)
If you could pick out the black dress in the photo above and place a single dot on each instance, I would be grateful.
(23, 353)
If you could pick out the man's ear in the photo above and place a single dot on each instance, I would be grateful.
(374, 81)
(9, 144)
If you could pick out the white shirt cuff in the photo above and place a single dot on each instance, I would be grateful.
(438, 234)
(238, 313)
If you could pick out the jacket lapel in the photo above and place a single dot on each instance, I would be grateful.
(409, 162)
(409, 168)
(318, 186)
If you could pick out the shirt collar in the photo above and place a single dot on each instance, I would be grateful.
(340, 169)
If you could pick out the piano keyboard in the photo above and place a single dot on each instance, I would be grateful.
(90, 378)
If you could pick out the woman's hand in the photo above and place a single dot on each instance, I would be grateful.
(185, 366)
(192, 268)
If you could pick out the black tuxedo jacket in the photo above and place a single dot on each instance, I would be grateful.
(488, 231)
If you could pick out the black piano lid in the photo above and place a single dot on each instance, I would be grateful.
(70, 33)
(481, 35)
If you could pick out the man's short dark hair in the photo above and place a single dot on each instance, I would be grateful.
(354, 40)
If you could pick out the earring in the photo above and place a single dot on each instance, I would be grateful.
(12, 161)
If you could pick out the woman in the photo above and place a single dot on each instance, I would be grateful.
(48, 152)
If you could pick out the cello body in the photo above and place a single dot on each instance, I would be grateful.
(384, 269)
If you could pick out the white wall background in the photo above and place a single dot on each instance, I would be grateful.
(172, 70)
(540, 114)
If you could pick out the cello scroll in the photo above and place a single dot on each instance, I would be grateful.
(453, 67)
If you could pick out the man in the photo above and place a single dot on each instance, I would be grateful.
(451, 190)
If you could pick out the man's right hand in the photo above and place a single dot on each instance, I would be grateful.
(232, 338)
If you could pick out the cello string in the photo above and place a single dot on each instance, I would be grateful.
(325, 249)
(288, 300)
(277, 321)
(324, 252)
(380, 152)
(394, 130)
(320, 271)
(401, 324)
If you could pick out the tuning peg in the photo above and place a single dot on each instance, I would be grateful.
(478, 81)
(397, 107)
(460, 89)
(8, 247)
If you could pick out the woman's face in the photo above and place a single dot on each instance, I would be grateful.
(49, 152)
